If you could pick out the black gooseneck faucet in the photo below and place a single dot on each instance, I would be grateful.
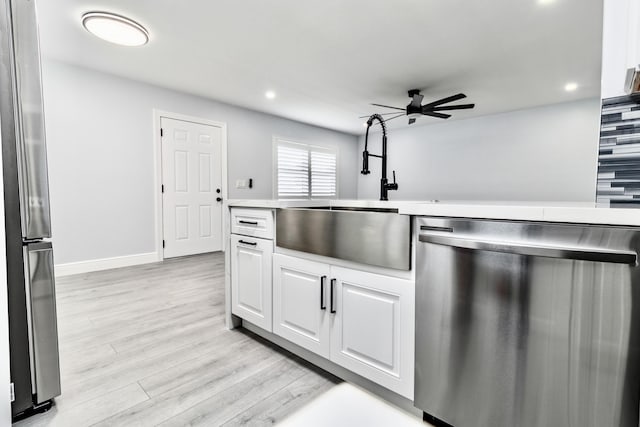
(385, 186)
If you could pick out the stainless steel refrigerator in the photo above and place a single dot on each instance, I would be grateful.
(33, 336)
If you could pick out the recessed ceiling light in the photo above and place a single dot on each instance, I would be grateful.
(115, 28)
(270, 94)
(570, 87)
(546, 1)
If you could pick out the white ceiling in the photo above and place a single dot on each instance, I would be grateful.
(328, 60)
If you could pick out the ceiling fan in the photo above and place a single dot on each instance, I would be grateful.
(432, 109)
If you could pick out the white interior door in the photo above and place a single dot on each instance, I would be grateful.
(192, 185)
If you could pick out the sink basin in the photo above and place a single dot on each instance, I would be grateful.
(374, 236)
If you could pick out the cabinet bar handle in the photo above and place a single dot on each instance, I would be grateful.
(323, 305)
(333, 283)
(247, 243)
(247, 222)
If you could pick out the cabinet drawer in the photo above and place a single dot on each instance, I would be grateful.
(252, 222)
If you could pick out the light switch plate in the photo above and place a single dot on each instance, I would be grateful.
(242, 183)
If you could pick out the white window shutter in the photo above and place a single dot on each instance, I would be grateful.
(305, 171)
(293, 171)
(323, 174)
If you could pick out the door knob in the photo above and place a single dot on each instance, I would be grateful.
(218, 199)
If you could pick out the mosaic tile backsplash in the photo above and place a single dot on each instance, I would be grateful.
(619, 156)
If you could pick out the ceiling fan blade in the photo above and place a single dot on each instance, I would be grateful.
(445, 100)
(412, 121)
(395, 117)
(437, 115)
(453, 107)
(388, 106)
(382, 114)
(417, 100)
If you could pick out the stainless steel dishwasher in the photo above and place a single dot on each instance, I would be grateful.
(527, 324)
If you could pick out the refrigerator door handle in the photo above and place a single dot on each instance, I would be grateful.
(42, 313)
(31, 147)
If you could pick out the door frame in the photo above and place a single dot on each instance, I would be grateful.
(157, 188)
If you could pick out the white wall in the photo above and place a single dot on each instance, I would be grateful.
(544, 154)
(101, 164)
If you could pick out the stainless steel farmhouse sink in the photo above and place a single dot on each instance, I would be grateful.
(374, 236)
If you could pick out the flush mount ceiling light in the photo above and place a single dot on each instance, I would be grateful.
(115, 28)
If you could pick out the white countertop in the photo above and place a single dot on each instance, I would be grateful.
(275, 204)
(569, 212)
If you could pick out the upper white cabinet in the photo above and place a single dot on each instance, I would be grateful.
(620, 44)
(361, 321)
(300, 298)
(251, 279)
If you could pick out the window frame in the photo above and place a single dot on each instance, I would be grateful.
(309, 147)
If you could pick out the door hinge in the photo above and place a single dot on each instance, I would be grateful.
(161, 132)
(162, 188)
(12, 393)
(163, 244)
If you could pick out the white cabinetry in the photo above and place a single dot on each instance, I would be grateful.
(361, 321)
(251, 247)
(252, 222)
(373, 328)
(299, 303)
(251, 279)
(620, 44)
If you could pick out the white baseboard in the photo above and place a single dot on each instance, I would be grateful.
(105, 263)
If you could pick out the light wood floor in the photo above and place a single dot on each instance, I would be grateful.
(147, 345)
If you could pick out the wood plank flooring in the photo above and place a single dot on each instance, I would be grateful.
(147, 346)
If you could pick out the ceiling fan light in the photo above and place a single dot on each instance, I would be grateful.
(115, 29)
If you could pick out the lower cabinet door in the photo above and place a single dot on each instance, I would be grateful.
(251, 279)
(301, 302)
(373, 328)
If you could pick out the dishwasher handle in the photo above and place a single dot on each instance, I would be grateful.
(564, 252)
